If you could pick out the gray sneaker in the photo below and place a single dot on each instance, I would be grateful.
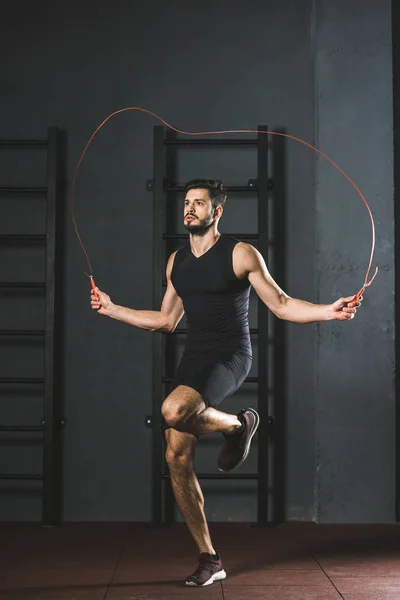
(237, 445)
(209, 570)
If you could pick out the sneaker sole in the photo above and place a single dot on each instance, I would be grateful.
(247, 450)
(216, 577)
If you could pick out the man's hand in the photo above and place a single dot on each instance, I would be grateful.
(344, 309)
(101, 302)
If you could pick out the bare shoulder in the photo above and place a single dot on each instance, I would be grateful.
(246, 253)
(172, 257)
(170, 263)
(246, 258)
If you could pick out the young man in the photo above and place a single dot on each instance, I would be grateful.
(209, 279)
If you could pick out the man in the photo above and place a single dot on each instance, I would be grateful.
(209, 279)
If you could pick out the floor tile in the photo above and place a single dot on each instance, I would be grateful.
(272, 560)
(148, 574)
(351, 585)
(363, 563)
(275, 592)
(277, 577)
(68, 562)
(81, 561)
(372, 596)
(20, 579)
(362, 570)
(72, 593)
(166, 589)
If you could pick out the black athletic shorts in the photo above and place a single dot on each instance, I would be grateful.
(215, 375)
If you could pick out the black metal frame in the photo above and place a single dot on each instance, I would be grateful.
(263, 335)
(52, 422)
(160, 187)
(158, 275)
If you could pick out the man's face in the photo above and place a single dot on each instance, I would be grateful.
(198, 211)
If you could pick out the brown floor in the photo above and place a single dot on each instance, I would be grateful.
(100, 561)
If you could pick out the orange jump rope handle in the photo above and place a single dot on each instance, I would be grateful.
(92, 283)
(359, 294)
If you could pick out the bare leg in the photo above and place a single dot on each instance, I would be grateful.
(187, 491)
(185, 411)
(211, 420)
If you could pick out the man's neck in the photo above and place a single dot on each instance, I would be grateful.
(201, 244)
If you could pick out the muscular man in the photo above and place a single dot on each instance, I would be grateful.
(209, 279)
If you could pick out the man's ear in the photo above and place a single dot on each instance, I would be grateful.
(218, 210)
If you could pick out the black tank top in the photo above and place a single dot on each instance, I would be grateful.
(216, 302)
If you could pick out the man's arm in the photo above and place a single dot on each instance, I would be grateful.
(165, 319)
(248, 261)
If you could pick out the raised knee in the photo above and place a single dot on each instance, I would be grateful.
(173, 414)
(173, 419)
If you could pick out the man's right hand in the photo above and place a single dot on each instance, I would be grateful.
(100, 302)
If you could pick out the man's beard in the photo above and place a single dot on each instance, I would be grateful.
(199, 228)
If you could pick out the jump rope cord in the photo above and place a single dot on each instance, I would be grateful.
(367, 282)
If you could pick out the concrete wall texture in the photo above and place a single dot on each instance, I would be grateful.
(355, 396)
(318, 70)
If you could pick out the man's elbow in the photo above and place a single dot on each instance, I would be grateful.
(170, 328)
(164, 329)
(163, 325)
(278, 312)
(281, 309)
(167, 326)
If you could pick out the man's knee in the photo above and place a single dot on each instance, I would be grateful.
(182, 405)
(175, 414)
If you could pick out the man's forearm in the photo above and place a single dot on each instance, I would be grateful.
(299, 311)
(152, 320)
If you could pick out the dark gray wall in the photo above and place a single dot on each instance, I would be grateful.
(208, 66)
(355, 413)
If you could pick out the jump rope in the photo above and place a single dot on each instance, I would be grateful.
(367, 281)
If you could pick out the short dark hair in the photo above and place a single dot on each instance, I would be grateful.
(215, 189)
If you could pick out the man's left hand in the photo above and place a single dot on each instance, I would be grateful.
(345, 309)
